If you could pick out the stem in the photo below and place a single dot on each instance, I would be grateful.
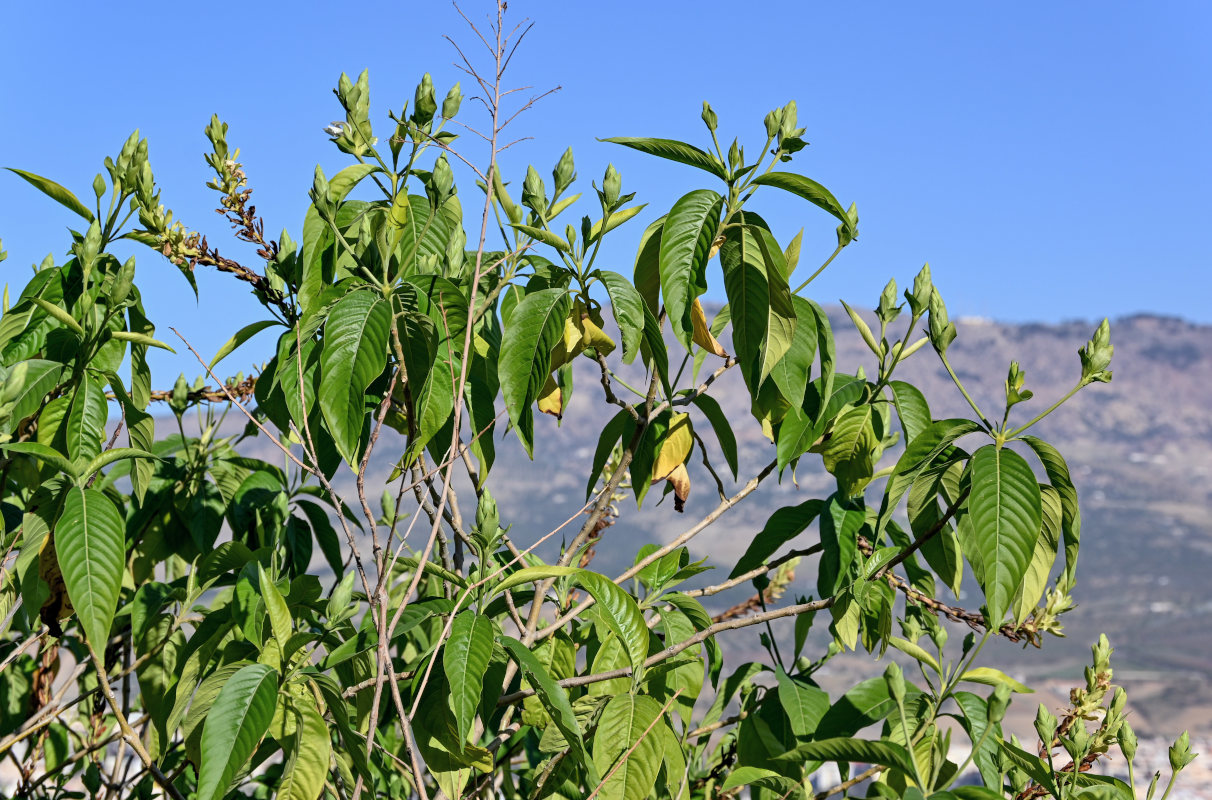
(819, 270)
(1017, 431)
(128, 733)
(955, 379)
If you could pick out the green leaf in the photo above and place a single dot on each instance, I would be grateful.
(911, 407)
(28, 384)
(1042, 558)
(647, 274)
(859, 751)
(841, 520)
(759, 300)
(673, 150)
(797, 434)
(993, 677)
(90, 540)
(55, 192)
(465, 660)
(686, 241)
(851, 450)
(612, 432)
(616, 219)
(44, 453)
(544, 236)
(554, 700)
(780, 786)
(654, 345)
(792, 371)
(628, 309)
(344, 181)
(308, 755)
(918, 455)
(811, 191)
(723, 431)
(783, 526)
(140, 338)
(805, 704)
(433, 569)
(1031, 764)
(531, 574)
(58, 313)
(234, 726)
(280, 621)
(110, 456)
(629, 741)
(1071, 517)
(83, 427)
(915, 651)
(354, 354)
(866, 703)
(241, 336)
(534, 328)
(1006, 514)
(622, 615)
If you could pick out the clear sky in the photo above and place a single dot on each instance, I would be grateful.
(1050, 160)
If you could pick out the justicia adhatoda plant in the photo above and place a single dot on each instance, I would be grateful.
(181, 618)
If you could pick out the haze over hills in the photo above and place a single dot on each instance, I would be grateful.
(1139, 448)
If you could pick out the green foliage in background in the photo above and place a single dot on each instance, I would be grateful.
(180, 619)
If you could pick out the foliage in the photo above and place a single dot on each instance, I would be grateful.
(178, 589)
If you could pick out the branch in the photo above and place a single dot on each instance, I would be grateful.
(674, 649)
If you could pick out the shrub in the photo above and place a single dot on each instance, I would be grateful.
(167, 585)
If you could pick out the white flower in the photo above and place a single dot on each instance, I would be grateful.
(335, 129)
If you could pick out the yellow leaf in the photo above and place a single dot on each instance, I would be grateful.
(702, 333)
(551, 398)
(593, 336)
(675, 448)
(679, 479)
(572, 332)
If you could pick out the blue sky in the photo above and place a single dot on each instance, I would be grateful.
(1050, 160)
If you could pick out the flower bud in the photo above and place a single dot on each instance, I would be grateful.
(888, 308)
(895, 680)
(710, 119)
(1096, 355)
(454, 98)
(487, 517)
(319, 191)
(923, 287)
(998, 702)
(425, 103)
(772, 124)
(565, 172)
(1118, 700)
(942, 330)
(440, 185)
(787, 124)
(534, 194)
(612, 184)
(1180, 752)
(180, 397)
(1127, 740)
(1045, 725)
